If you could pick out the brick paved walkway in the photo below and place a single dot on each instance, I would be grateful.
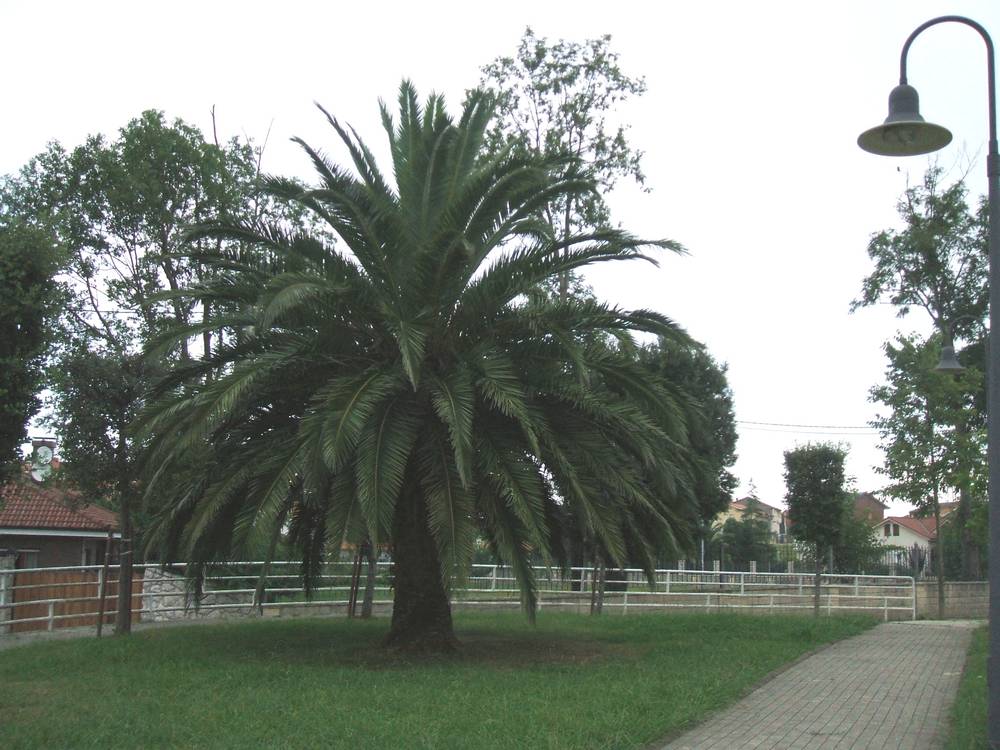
(891, 687)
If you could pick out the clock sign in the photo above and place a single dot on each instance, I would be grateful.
(41, 464)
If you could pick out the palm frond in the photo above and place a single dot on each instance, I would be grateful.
(384, 450)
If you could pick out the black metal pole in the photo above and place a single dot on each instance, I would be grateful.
(993, 368)
(993, 427)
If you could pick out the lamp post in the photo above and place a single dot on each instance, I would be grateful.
(906, 133)
(949, 365)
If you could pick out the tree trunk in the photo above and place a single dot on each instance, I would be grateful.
(593, 588)
(421, 612)
(371, 559)
(817, 581)
(939, 553)
(123, 618)
(206, 336)
(102, 589)
(352, 599)
(260, 590)
(564, 276)
(597, 584)
(964, 535)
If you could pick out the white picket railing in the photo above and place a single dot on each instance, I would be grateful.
(229, 589)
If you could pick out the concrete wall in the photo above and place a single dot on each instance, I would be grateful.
(962, 599)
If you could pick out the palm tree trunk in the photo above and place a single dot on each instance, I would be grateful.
(421, 612)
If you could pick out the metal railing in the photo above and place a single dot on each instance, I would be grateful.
(34, 599)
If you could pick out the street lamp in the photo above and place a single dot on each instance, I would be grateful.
(906, 133)
(949, 364)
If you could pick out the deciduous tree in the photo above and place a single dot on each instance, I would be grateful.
(29, 306)
(117, 210)
(937, 263)
(932, 437)
(564, 98)
(816, 494)
(702, 389)
(747, 538)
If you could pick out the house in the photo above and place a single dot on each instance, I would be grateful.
(775, 517)
(44, 526)
(869, 508)
(906, 531)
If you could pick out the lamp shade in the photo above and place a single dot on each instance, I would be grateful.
(904, 132)
(949, 364)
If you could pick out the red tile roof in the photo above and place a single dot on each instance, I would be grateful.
(24, 505)
(926, 527)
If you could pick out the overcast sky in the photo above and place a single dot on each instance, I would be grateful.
(749, 128)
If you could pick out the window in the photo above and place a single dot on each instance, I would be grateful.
(895, 529)
(26, 558)
(886, 527)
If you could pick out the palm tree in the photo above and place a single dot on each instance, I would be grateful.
(408, 382)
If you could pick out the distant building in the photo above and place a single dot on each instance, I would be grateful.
(869, 508)
(44, 526)
(906, 531)
(776, 519)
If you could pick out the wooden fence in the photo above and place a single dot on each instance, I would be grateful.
(64, 593)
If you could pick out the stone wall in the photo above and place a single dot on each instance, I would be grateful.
(962, 599)
(165, 597)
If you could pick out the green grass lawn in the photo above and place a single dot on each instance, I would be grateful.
(570, 682)
(968, 714)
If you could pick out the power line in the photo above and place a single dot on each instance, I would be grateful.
(855, 434)
(806, 426)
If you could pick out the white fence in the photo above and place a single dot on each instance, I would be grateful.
(49, 598)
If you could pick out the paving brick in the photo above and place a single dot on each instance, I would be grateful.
(891, 687)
